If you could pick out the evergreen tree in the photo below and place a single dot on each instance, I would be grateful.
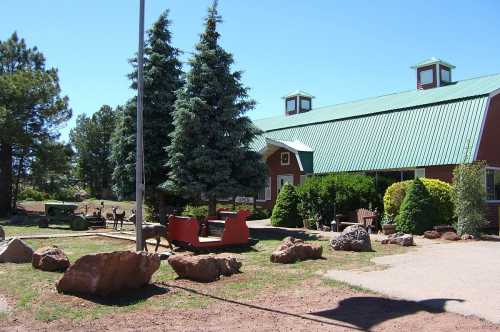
(416, 212)
(91, 138)
(31, 109)
(211, 135)
(285, 211)
(162, 77)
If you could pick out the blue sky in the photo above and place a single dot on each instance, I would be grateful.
(336, 50)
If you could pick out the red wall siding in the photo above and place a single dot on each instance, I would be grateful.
(275, 169)
(489, 148)
(443, 173)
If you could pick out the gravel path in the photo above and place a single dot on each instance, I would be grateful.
(464, 275)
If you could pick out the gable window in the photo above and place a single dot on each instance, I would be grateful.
(493, 184)
(291, 105)
(285, 158)
(426, 76)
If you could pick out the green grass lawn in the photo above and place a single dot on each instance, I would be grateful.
(35, 294)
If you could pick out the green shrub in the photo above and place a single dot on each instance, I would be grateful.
(285, 213)
(440, 193)
(31, 194)
(259, 213)
(348, 191)
(469, 197)
(393, 197)
(198, 212)
(415, 215)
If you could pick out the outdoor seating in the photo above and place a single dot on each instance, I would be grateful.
(364, 217)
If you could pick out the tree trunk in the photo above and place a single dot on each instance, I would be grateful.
(234, 203)
(162, 208)
(18, 179)
(212, 206)
(254, 203)
(5, 179)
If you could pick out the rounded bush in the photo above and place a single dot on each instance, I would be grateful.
(285, 213)
(441, 195)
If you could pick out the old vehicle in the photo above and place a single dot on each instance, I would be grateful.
(65, 213)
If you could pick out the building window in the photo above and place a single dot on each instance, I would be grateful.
(305, 104)
(291, 106)
(493, 184)
(426, 76)
(285, 158)
(445, 75)
(265, 193)
(419, 173)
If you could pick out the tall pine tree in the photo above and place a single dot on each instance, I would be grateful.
(162, 77)
(212, 135)
(31, 110)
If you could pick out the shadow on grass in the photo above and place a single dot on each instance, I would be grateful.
(125, 299)
(281, 233)
(360, 313)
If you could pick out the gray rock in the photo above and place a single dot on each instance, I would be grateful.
(15, 251)
(353, 238)
(399, 238)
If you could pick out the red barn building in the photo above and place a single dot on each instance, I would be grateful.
(424, 132)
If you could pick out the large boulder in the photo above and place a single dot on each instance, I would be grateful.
(399, 238)
(50, 259)
(2, 234)
(353, 238)
(15, 251)
(109, 273)
(204, 268)
(450, 236)
(432, 235)
(292, 250)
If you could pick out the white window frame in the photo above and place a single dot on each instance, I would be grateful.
(281, 158)
(486, 183)
(267, 191)
(419, 173)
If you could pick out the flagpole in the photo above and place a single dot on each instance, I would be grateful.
(139, 166)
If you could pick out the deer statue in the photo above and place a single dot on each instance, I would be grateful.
(154, 231)
(118, 217)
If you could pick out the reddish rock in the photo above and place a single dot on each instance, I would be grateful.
(401, 239)
(15, 251)
(50, 259)
(292, 250)
(432, 235)
(450, 236)
(204, 268)
(109, 273)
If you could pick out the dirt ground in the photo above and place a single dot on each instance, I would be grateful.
(312, 307)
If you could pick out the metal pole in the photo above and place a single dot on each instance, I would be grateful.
(139, 166)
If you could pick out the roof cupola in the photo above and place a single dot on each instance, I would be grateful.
(433, 73)
(297, 102)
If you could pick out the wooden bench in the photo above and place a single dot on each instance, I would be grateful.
(363, 217)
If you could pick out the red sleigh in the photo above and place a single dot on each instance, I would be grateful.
(185, 230)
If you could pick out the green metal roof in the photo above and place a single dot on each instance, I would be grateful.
(439, 126)
(402, 100)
